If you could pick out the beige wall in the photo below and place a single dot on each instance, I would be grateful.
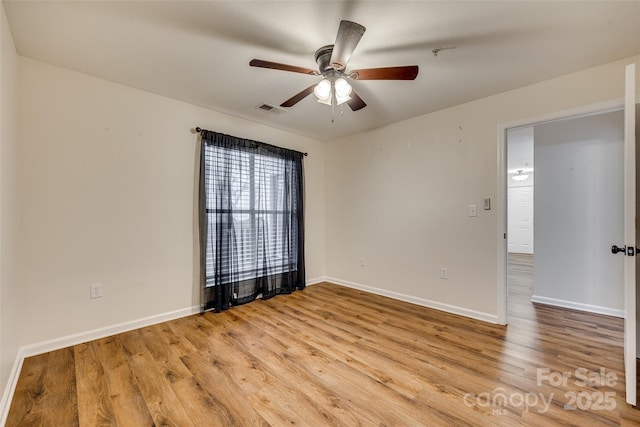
(399, 195)
(8, 206)
(107, 190)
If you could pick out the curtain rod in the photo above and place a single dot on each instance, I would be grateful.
(199, 129)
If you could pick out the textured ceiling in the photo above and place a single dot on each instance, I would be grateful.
(199, 51)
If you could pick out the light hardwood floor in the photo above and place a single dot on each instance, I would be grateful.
(331, 355)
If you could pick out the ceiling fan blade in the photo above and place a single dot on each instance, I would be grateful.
(298, 97)
(349, 35)
(409, 72)
(356, 103)
(284, 67)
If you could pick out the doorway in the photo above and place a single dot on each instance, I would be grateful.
(520, 221)
(569, 204)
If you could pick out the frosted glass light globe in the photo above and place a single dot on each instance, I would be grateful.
(323, 90)
(343, 90)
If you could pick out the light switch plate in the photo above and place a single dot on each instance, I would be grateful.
(487, 204)
(473, 210)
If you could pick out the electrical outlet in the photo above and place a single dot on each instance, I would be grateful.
(444, 274)
(363, 262)
(96, 291)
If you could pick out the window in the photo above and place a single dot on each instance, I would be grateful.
(253, 218)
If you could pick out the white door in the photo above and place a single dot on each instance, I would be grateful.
(520, 220)
(630, 233)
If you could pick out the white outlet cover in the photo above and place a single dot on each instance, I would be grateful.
(96, 291)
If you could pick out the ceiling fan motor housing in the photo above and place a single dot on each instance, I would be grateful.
(323, 58)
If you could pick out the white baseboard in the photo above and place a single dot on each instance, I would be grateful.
(69, 340)
(10, 388)
(461, 311)
(578, 306)
(315, 281)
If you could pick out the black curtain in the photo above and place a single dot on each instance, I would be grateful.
(251, 220)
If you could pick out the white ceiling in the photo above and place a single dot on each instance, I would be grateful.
(199, 51)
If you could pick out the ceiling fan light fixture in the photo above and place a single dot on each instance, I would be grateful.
(322, 91)
(520, 176)
(342, 90)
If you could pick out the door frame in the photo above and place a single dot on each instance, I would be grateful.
(502, 173)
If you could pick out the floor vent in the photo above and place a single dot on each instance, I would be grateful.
(270, 109)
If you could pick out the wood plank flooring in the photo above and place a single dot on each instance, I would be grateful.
(331, 355)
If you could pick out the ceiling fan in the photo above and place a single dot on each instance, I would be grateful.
(334, 88)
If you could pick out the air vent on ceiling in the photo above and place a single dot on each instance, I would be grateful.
(270, 109)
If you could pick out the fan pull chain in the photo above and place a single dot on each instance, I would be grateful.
(333, 103)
